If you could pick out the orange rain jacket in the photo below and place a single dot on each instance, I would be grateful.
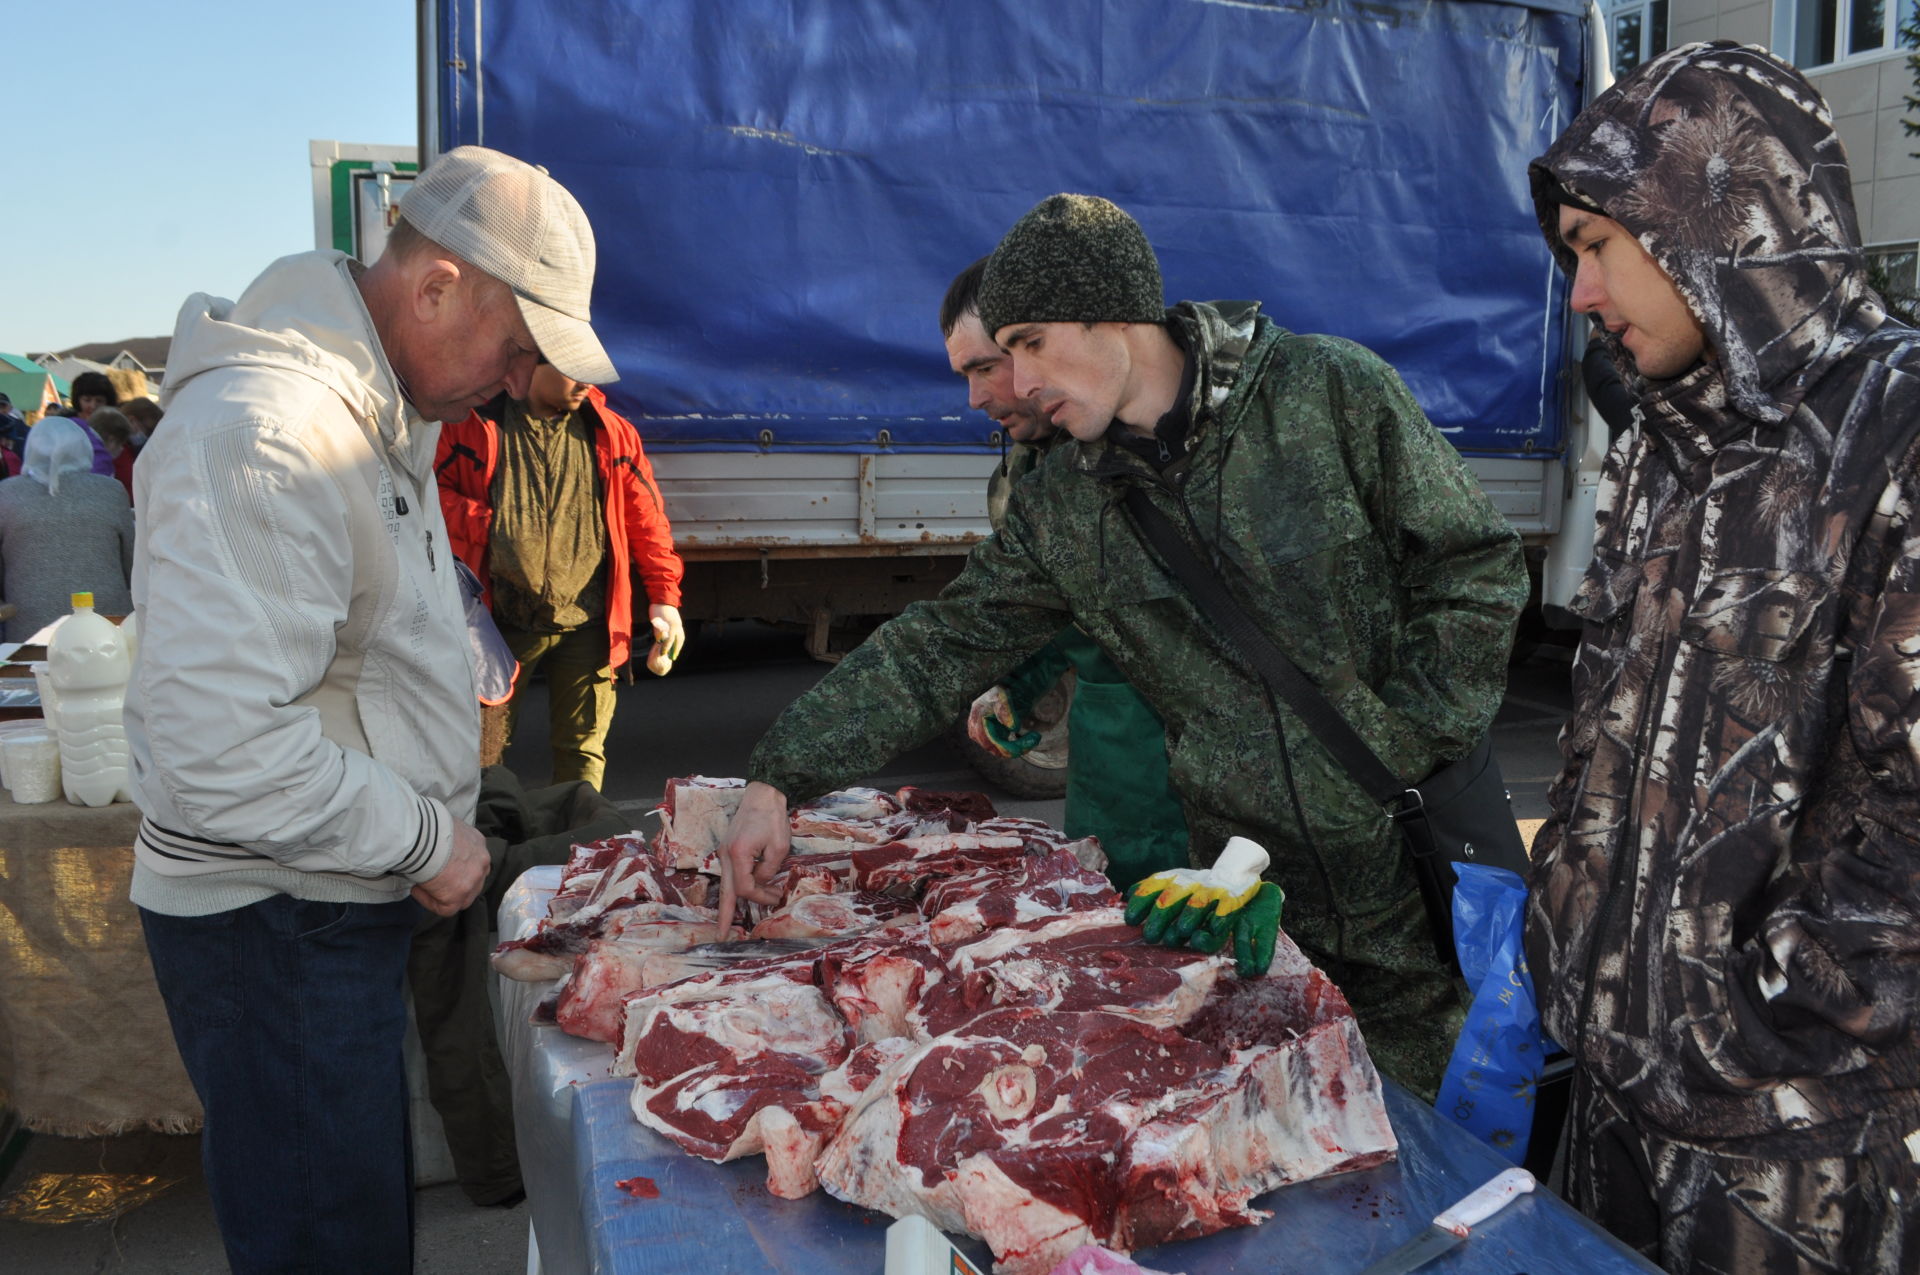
(639, 539)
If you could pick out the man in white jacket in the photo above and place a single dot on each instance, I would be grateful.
(301, 717)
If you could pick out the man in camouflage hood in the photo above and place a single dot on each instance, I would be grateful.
(1347, 527)
(1725, 921)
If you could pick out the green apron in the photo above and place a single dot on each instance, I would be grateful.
(1117, 786)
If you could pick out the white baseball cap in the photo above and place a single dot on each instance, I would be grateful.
(521, 226)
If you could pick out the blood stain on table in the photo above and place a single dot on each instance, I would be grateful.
(639, 1188)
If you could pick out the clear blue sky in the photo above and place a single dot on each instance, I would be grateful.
(154, 150)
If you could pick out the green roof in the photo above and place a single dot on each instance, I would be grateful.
(26, 389)
(18, 363)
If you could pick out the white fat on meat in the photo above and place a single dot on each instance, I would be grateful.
(1028, 1235)
(1027, 965)
(878, 989)
(674, 927)
(843, 819)
(792, 1145)
(741, 1020)
(694, 819)
(1285, 1113)
(816, 916)
(613, 967)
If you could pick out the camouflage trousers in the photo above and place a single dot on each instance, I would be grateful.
(1698, 1211)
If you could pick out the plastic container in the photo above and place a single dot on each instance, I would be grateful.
(88, 665)
(49, 698)
(19, 726)
(33, 766)
(915, 1246)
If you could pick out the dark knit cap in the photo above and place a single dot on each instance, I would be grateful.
(1072, 259)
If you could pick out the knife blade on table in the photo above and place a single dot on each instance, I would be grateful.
(716, 956)
(1453, 1225)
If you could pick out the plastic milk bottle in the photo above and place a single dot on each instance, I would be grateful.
(88, 664)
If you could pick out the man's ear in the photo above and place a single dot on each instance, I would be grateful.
(435, 288)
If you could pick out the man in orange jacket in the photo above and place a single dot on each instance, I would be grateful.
(552, 503)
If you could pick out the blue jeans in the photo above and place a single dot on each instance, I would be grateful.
(290, 1019)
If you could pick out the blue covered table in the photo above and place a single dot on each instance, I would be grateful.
(717, 1219)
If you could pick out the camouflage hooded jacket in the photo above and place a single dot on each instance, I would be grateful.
(1725, 923)
(1347, 527)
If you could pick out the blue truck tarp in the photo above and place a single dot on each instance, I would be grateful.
(782, 189)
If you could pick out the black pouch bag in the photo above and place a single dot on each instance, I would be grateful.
(1459, 813)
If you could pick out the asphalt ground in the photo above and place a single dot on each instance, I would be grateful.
(137, 1205)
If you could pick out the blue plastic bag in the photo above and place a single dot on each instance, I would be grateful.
(1490, 1082)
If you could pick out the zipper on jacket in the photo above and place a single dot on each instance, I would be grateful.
(400, 508)
(1625, 855)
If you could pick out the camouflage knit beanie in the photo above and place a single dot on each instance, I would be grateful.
(1072, 259)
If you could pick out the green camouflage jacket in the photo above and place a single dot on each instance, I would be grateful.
(1344, 523)
(1019, 460)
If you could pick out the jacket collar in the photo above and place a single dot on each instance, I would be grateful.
(303, 315)
(1223, 340)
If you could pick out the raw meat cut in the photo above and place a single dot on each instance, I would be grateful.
(958, 809)
(876, 985)
(1041, 1131)
(549, 952)
(970, 1030)
(732, 1023)
(812, 916)
(693, 821)
(582, 874)
(719, 1112)
(815, 874)
(660, 925)
(1088, 960)
(736, 1071)
(842, 819)
(1052, 885)
(902, 867)
(1044, 838)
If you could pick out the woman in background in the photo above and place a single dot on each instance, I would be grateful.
(116, 431)
(62, 530)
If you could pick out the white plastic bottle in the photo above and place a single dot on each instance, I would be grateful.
(88, 663)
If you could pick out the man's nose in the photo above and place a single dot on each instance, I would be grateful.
(977, 396)
(1026, 382)
(1587, 292)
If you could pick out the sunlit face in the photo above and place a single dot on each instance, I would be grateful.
(466, 343)
(552, 392)
(1077, 374)
(1619, 281)
(989, 375)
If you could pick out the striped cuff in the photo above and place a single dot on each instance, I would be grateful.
(432, 844)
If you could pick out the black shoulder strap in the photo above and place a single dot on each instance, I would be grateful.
(1268, 660)
(456, 452)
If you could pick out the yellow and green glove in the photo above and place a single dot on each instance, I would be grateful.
(993, 724)
(1204, 908)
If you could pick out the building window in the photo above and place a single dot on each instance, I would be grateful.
(1895, 271)
(1639, 30)
(1826, 32)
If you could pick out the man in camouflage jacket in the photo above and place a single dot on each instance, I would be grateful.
(1345, 524)
(1117, 784)
(1725, 920)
